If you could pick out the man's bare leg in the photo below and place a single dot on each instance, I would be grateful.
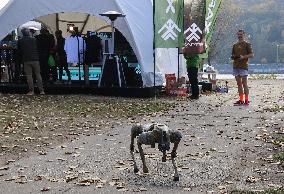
(246, 88)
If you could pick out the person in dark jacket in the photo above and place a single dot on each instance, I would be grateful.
(61, 55)
(28, 51)
(45, 43)
(93, 54)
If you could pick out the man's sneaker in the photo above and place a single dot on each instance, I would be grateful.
(30, 93)
(238, 103)
(246, 103)
(42, 93)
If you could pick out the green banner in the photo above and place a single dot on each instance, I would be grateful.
(212, 8)
(168, 18)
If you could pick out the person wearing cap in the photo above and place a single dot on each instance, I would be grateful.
(27, 47)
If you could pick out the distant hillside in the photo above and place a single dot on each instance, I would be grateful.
(263, 20)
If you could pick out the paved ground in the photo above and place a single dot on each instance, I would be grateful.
(223, 148)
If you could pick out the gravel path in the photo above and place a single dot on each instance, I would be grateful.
(222, 149)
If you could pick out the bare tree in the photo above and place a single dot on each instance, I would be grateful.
(225, 26)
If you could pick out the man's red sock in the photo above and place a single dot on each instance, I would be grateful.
(247, 97)
(242, 97)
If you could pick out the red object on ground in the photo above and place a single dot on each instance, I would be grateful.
(181, 91)
(170, 82)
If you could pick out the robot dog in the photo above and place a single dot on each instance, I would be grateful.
(150, 135)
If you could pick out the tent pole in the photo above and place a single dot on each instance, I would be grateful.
(79, 61)
(85, 23)
(112, 33)
(155, 75)
(57, 21)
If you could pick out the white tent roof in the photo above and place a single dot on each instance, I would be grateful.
(85, 22)
(137, 26)
(3, 3)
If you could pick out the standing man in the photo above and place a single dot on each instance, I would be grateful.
(62, 57)
(241, 52)
(45, 44)
(29, 55)
(192, 64)
(93, 53)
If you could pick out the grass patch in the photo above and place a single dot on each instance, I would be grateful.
(116, 108)
(269, 191)
(279, 157)
(275, 109)
(263, 77)
(34, 122)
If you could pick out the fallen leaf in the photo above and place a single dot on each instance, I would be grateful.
(4, 168)
(70, 178)
(45, 189)
(99, 186)
(42, 152)
(123, 190)
(221, 187)
(38, 178)
(84, 184)
(251, 179)
(10, 161)
(143, 189)
(61, 159)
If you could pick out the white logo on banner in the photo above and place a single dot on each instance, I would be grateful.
(194, 29)
(170, 26)
(210, 15)
(171, 6)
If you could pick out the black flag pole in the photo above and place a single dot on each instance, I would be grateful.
(154, 49)
(179, 42)
(178, 63)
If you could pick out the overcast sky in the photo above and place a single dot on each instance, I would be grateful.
(3, 3)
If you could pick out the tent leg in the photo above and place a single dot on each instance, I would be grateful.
(103, 67)
(118, 71)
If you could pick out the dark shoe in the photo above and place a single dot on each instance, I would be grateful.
(239, 103)
(194, 97)
(246, 102)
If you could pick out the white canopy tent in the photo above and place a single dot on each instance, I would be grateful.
(85, 22)
(137, 26)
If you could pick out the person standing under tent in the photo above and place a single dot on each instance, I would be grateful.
(241, 52)
(45, 45)
(93, 53)
(28, 51)
(61, 56)
(193, 64)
